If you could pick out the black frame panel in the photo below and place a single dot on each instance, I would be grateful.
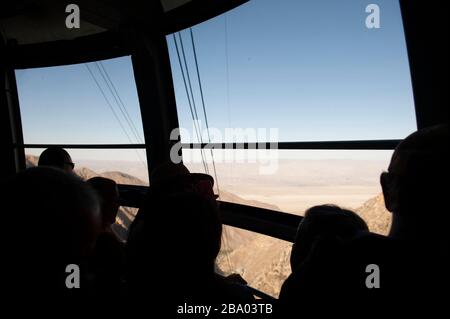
(426, 31)
(102, 46)
(11, 123)
(319, 145)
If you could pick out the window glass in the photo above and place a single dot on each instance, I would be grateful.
(89, 103)
(311, 69)
(295, 71)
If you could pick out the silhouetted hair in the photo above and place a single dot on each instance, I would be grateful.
(107, 191)
(55, 157)
(174, 178)
(327, 221)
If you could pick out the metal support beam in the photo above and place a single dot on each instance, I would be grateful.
(11, 125)
(154, 84)
(426, 31)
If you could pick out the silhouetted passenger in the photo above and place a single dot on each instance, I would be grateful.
(413, 260)
(170, 178)
(172, 250)
(56, 157)
(406, 271)
(321, 233)
(414, 189)
(108, 260)
(324, 222)
(52, 221)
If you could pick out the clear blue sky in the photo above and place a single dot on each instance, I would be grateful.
(309, 68)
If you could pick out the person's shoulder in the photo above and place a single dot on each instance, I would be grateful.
(231, 291)
(376, 246)
(367, 243)
(370, 238)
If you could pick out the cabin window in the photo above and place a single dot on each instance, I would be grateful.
(293, 71)
(311, 69)
(87, 104)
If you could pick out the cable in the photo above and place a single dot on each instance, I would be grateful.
(228, 84)
(193, 100)
(227, 70)
(114, 112)
(118, 100)
(123, 110)
(121, 102)
(225, 233)
(189, 99)
(107, 102)
(204, 108)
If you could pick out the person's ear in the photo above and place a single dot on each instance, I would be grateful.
(390, 198)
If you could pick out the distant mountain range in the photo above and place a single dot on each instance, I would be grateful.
(263, 261)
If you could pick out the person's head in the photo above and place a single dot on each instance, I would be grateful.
(414, 185)
(53, 220)
(109, 198)
(56, 157)
(324, 221)
(172, 178)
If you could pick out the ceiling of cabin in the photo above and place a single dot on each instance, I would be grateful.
(33, 21)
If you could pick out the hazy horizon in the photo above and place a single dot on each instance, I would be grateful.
(297, 185)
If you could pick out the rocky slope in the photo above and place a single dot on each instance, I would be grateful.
(376, 215)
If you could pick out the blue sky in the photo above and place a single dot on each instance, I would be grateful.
(309, 68)
(64, 104)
